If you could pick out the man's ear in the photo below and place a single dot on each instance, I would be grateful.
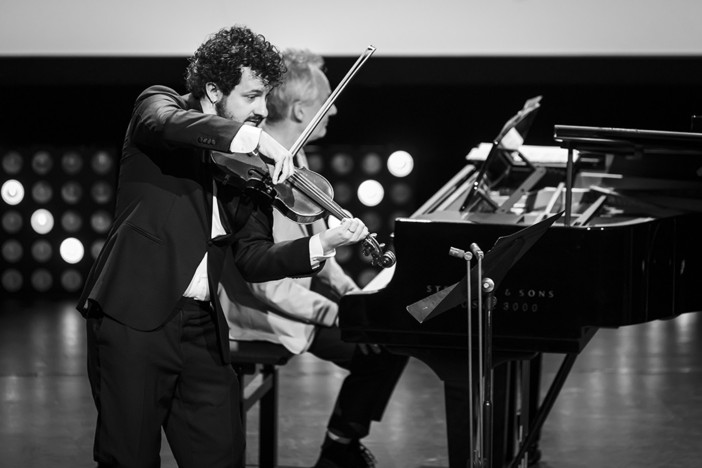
(213, 92)
(297, 111)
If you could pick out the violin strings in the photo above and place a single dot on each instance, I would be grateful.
(320, 197)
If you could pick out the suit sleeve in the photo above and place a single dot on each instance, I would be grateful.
(291, 299)
(161, 119)
(257, 256)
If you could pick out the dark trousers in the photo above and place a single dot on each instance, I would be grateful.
(171, 378)
(367, 388)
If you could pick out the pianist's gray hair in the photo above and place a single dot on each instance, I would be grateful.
(298, 83)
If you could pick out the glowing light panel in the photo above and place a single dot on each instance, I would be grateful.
(12, 192)
(42, 221)
(71, 250)
(400, 163)
(370, 192)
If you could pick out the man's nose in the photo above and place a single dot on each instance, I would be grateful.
(261, 109)
(332, 110)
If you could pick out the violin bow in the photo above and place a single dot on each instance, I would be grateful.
(305, 135)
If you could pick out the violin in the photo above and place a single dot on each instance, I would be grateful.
(305, 196)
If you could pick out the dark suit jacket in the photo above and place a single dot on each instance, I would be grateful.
(163, 218)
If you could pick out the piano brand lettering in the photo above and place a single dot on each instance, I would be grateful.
(530, 293)
(524, 300)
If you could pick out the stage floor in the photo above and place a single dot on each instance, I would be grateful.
(633, 399)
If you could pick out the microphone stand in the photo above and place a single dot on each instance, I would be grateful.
(481, 438)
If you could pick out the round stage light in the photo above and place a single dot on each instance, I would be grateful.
(101, 192)
(400, 163)
(342, 192)
(11, 251)
(42, 221)
(370, 192)
(315, 161)
(71, 280)
(12, 192)
(11, 280)
(71, 162)
(371, 163)
(101, 162)
(342, 163)
(42, 192)
(71, 250)
(42, 162)
(41, 280)
(101, 221)
(11, 221)
(400, 193)
(12, 162)
(41, 250)
(71, 221)
(71, 192)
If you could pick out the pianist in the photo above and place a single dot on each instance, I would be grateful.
(301, 313)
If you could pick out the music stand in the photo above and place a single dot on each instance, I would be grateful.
(506, 251)
(510, 138)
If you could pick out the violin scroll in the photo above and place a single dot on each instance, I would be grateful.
(371, 248)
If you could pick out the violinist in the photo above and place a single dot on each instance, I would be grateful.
(157, 337)
(301, 313)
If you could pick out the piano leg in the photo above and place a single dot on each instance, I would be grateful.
(549, 400)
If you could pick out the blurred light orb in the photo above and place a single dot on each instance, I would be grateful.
(42, 192)
(101, 221)
(370, 192)
(12, 192)
(42, 162)
(400, 164)
(72, 162)
(42, 251)
(71, 221)
(42, 221)
(101, 162)
(72, 250)
(101, 192)
(400, 193)
(315, 162)
(371, 163)
(342, 163)
(12, 221)
(11, 280)
(41, 280)
(71, 192)
(71, 280)
(12, 162)
(11, 251)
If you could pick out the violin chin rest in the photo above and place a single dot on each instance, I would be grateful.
(259, 192)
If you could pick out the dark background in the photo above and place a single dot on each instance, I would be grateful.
(437, 108)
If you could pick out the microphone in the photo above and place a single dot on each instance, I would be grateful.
(476, 251)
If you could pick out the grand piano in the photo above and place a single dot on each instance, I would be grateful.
(627, 251)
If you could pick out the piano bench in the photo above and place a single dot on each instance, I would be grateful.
(259, 360)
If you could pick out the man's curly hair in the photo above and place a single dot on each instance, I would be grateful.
(219, 60)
